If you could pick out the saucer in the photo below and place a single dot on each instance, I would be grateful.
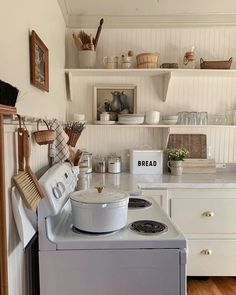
(104, 122)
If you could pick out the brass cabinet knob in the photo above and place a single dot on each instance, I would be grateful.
(206, 252)
(208, 214)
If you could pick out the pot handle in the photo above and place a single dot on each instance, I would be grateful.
(168, 164)
(99, 189)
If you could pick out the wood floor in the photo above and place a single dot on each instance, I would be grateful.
(212, 286)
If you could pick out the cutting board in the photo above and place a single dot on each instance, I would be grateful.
(202, 166)
(196, 144)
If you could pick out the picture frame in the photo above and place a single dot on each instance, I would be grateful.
(39, 63)
(115, 99)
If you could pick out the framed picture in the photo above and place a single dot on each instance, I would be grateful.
(115, 99)
(38, 63)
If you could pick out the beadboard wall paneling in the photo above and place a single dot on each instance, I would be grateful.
(211, 43)
(102, 140)
(221, 142)
(39, 163)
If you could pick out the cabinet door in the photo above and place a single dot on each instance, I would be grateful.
(211, 258)
(161, 197)
(204, 216)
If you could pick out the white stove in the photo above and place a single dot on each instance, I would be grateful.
(126, 262)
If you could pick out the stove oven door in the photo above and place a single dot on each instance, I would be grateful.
(116, 272)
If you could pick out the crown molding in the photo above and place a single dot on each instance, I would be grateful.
(177, 20)
(64, 10)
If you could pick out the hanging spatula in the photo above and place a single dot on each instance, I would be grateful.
(26, 181)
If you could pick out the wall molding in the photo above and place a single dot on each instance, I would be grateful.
(64, 10)
(183, 20)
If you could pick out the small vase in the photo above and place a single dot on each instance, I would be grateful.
(176, 167)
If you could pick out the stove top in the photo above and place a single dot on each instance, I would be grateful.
(148, 227)
(66, 238)
(137, 203)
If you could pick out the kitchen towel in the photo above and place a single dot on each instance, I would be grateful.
(59, 150)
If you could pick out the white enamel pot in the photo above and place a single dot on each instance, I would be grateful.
(99, 212)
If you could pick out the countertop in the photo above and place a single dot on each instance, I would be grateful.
(130, 182)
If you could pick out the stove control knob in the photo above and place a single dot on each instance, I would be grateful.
(57, 193)
(206, 252)
(61, 186)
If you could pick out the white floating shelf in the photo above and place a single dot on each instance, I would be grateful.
(161, 126)
(150, 72)
(164, 74)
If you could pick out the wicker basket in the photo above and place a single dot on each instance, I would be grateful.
(73, 136)
(43, 137)
(147, 60)
(216, 65)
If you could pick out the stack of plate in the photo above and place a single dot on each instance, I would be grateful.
(131, 119)
(169, 120)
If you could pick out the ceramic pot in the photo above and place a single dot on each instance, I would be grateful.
(99, 211)
(176, 167)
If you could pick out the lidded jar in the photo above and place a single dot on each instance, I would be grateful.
(114, 163)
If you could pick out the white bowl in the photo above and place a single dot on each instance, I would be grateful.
(131, 119)
(169, 122)
(170, 117)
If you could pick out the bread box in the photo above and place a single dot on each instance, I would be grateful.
(146, 161)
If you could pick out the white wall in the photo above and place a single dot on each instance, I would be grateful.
(17, 19)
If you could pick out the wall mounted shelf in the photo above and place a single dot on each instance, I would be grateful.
(165, 75)
(161, 126)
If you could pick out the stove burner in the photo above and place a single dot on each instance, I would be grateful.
(148, 227)
(138, 203)
(78, 231)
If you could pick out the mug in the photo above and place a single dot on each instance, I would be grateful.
(79, 117)
(152, 117)
(111, 62)
(104, 116)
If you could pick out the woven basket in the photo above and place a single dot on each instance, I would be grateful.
(73, 137)
(216, 65)
(43, 137)
(147, 60)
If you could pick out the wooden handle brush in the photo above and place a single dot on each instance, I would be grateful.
(98, 33)
(26, 181)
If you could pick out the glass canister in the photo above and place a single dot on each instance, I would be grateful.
(114, 164)
(87, 161)
(100, 164)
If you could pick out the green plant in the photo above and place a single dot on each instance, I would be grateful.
(177, 154)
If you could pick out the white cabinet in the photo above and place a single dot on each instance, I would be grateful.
(207, 217)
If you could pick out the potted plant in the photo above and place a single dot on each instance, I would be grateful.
(176, 157)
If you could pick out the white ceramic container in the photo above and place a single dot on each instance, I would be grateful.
(87, 59)
(152, 117)
(99, 212)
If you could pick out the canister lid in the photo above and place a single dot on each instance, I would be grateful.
(92, 196)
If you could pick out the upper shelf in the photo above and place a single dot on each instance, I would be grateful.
(150, 72)
(164, 74)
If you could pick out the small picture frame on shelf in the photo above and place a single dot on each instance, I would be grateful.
(114, 99)
(39, 72)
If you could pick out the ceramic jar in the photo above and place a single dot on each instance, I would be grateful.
(176, 167)
(111, 62)
(87, 59)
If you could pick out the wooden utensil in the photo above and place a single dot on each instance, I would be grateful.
(26, 181)
(20, 132)
(196, 144)
(95, 42)
(78, 41)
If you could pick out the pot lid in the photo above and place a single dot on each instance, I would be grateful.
(93, 196)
